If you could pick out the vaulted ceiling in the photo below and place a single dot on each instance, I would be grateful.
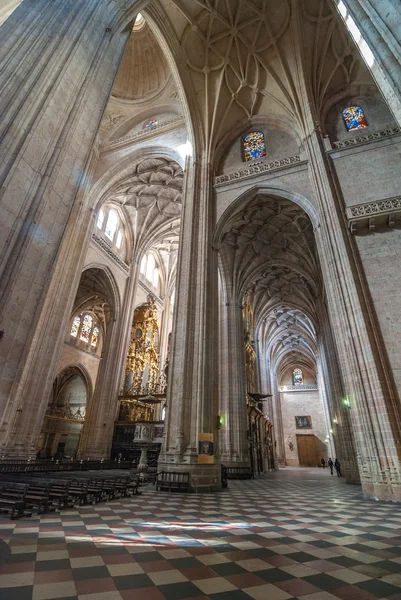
(144, 71)
(267, 250)
(151, 195)
(253, 57)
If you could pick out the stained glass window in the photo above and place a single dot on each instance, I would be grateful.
(86, 329)
(253, 146)
(111, 225)
(119, 239)
(151, 124)
(354, 118)
(100, 219)
(95, 337)
(75, 326)
(297, 377)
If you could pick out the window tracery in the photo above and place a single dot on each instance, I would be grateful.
(253, 146)
(150, 270)
(85, 329)
(95, 337)
(75, 326)
(297, 377)
(100, 219)
(354, 118)
(110, 224)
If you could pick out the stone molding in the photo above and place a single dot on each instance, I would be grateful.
(258, 168)
(113, 255)
(304, 387)
(369, 215)
(162, 127)
(369, 137)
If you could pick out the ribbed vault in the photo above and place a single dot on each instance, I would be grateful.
(267, 251)
(151, 196)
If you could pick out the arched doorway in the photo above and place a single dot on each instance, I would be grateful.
(65, 415)
(268, 256)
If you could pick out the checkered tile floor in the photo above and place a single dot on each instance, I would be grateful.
(293, 534)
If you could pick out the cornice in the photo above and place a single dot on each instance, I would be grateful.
(258, 169)
(158, 129)
(371, 215)
(106, 248)
(364, 139)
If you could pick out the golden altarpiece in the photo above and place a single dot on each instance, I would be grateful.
(139, 424)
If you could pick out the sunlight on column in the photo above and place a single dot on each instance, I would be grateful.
(7, 7)
(185, 149)
(356, 34)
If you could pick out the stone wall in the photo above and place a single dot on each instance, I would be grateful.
(381, 258)
(72, 355)
(279, 144)
(301, 404)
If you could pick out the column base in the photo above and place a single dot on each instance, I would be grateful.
(381, 491)
(203, 478)
(352, 477)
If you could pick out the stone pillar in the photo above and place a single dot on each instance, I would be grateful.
(330, 376)
(165, 328)
(192, 395)
(58, 61)
(102, 413)
(143, 461)
(277, 419)
(379, 22)
(232, 382)
(321, 384)
(262, 369)
(374, 411)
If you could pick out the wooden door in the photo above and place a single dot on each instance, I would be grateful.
(310, 451)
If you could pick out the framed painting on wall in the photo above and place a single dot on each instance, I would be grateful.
(303, 422)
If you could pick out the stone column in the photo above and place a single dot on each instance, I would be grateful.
(232, 383)
(374, 409)
(165, 328)
(98, 430)
(58, 61)
(277, 419)
(330, 376)
(379, 22)
(192, 396)
(321, 384)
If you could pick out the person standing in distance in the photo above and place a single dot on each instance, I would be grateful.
(338, 467)
(331, 465)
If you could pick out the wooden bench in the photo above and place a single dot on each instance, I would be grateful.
(172, 481)
(239, 473)
(12, 500)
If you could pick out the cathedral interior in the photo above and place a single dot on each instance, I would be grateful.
(200, 244)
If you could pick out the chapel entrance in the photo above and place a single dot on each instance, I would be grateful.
(311, 450)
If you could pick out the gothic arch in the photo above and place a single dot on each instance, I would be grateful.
(276, 191)
(109, 287)
(79, 369)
